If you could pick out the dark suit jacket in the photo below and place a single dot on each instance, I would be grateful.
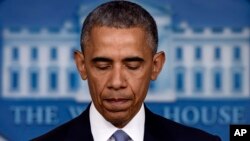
(157, 128)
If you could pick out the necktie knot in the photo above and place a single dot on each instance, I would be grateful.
(120, 135)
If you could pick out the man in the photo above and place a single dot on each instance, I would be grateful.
(119, 58)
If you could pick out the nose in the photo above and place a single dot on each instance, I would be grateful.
(117, 79)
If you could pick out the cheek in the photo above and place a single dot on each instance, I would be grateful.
(96, 85)
(139, 84)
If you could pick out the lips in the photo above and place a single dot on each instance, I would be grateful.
(117, 104)
(117, 100)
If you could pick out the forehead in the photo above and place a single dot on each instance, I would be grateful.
(112, 33)
(116, 41)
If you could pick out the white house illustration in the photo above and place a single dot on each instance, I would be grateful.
(202, 62)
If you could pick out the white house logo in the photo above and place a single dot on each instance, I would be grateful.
(205, 82)
(202, 62)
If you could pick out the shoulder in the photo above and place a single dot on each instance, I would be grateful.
(58, 133)
(75, 128)
(165, 128)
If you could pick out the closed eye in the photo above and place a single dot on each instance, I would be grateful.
(102, 66)
(102, 63)
(133, 65)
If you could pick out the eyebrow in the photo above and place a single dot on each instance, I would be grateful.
(101, 59)
(128, 59)
(133, 59)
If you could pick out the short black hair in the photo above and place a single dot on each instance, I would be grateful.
(121, 14)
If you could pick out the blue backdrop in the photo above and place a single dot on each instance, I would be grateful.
(204, 84)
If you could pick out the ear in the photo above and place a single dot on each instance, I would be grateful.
(158, 62)
(80, 64)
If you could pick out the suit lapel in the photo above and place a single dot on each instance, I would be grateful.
(149, 131)
(154, 128)
(80, 129)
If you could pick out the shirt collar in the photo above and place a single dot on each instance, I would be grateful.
(102, 129)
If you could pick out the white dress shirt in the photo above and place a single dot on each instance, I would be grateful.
(102, 130)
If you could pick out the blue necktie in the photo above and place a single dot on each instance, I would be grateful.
(120, 135)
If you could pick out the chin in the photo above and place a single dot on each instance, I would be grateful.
(118, 119)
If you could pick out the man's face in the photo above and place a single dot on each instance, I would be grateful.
(118, 64)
